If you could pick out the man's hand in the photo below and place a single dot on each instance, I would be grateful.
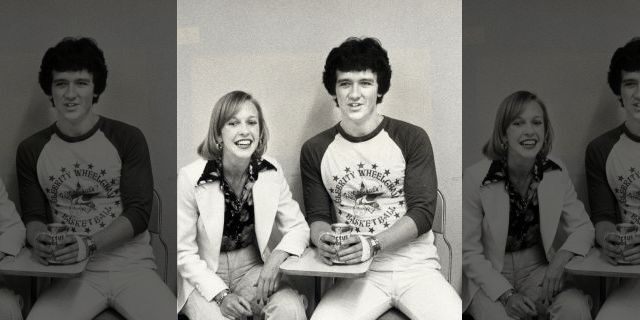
(234, 306)
(270, 276)
(351, 251)
(631, 254)
(611, 248)
(326, 247)
(70, 250)
(41, 247)
(520, 307)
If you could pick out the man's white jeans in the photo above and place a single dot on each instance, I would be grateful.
(419, 292)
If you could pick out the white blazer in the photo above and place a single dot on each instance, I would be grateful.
(201, 220)
(12, 230)
(485, 224)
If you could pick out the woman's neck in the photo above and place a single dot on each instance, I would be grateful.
(520, 169)
(235, 169)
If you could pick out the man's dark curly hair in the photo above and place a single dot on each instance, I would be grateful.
(358, 54)
(627, 59)
(74, 54)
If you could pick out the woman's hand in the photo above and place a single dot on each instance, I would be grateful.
(234, 306)
(270, 276)
(553, 280)
(520, 307)
(326, 249)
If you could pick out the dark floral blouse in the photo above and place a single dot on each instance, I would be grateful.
(238, 231)
(524, 212)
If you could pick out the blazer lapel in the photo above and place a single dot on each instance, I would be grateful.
(495, 200)
(550, 204)
(211, 205)
(265, 206)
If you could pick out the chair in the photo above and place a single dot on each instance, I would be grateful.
(439, 229)
(159, 246)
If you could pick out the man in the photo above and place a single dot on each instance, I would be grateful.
(376, 174)
(613, 179)
(12, 235)
(92, 174)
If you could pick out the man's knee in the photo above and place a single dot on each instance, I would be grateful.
(571, 304)
(10, 305)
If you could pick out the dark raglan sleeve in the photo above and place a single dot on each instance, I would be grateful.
(420, 180)
(317, 201)
(136, 177)
(33, 201)
(603, 203)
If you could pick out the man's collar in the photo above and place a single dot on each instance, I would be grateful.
(213, 170)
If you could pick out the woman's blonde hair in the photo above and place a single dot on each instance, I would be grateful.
(510, 108)
(227, 107)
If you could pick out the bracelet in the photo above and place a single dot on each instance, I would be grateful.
(504, 298)
(220, 296)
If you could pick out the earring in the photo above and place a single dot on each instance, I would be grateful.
(505, 146)
(219, 145)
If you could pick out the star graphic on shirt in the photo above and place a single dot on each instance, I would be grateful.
(347, 170)
(103, 172)
(397, 215)
(335, 178)
(118, 203)
(386, 224)
(371, 230)
(402, 203)
(102, 224)
(90, 166)
(632, 169)
(113, 181)
(330, 190)
(73, 229)
(87, 230)
(620, 178)
(63, 169)
(387, 172)
(76, 165)
(47, 190)
(51, 178)
(113, 215)
(400, 191)
(397, 181)
(374, 166)
(357, 229)
(360, 165)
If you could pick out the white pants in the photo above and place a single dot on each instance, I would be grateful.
(420, 293)
(135, 294)
(525, 270)
(9, 305)
(623, 303)
(240, 270)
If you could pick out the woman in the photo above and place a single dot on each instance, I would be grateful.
(513, 203)
(12, 235)
(228, 202)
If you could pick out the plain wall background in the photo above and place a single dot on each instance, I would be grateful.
(276, 51)
(138, 40)
(559, 50)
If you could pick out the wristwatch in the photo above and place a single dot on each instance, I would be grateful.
(504, 298)
(220, 296)
(375, 245)
(91, 246)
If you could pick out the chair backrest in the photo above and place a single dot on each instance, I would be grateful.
(155, 229)
(439, 226)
